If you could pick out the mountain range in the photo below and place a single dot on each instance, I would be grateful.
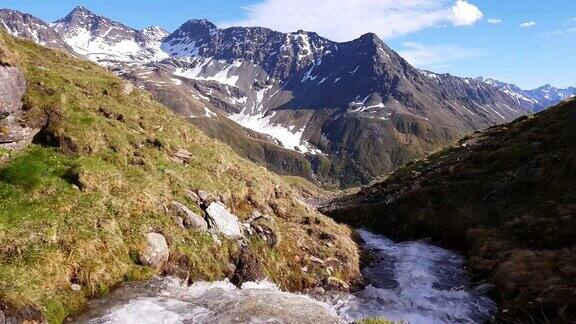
(536, 99)
(341, 114)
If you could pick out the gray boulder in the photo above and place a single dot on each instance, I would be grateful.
(14, 134)
(190, 219)
(221, 220)
(156, 252)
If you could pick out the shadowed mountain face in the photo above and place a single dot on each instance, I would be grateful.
(506, 197)
(340, 113)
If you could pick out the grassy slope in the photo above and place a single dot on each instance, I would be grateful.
(507, 198)
(76, 206)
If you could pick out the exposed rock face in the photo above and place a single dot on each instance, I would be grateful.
(14, 133)
(507, 197)
(221, 220)
(156, 252)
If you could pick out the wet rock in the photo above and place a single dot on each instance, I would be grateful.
(28, 315)
(247, 268)
(156, 252)
(221, 220)
(178, 268)
(482, 289)
(189, 218)
(14, 133)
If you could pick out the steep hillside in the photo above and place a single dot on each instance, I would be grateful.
(507, 197)
(114, 187)
(295, 102)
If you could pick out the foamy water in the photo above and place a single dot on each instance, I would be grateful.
(414, 282)
(411, 281)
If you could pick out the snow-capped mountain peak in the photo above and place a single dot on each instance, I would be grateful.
(102, 39)
(155, 33)
(535, 99)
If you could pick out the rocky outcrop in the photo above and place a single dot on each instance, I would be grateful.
(188, 218)
(156, 251)
(223, 221)
(505, 197)
(14, 132)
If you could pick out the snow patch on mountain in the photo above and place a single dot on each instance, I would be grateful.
(201, 71)
(286, 136)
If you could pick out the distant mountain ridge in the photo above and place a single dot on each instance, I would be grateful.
(536, 99)
(298, 103)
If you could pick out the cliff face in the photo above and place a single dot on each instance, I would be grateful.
(506, 197)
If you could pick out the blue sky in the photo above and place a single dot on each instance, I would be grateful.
(462, 37)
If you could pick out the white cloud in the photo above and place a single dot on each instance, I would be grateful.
(527, 24)
(465, 14)
(343, 20)
(435, 56)
(495, 20)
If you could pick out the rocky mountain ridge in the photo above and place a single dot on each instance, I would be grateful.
(338, 113)
(536, 99)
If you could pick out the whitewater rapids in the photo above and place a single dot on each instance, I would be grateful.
(410, 281)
